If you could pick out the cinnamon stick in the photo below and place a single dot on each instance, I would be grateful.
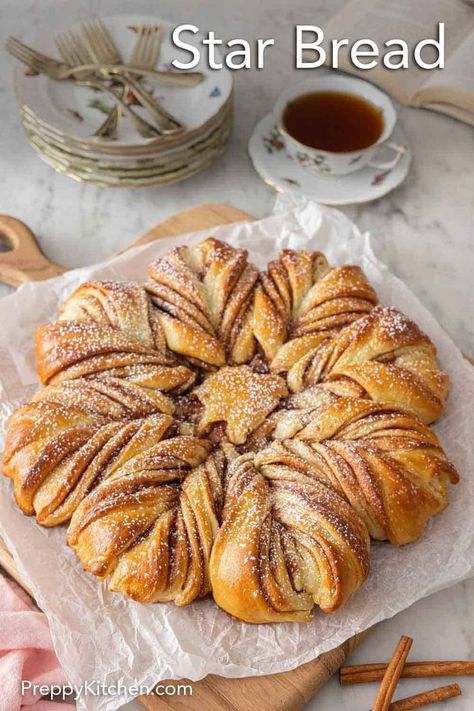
(426, 698)
(392, 674)
(364, 673)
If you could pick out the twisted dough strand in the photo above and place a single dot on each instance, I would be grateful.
(152, 529)
(384, 461)
(287, 541)
(301, 300)
(105, 370)
(204, 296)
(383, 356)
(109, 329)
(55, 454)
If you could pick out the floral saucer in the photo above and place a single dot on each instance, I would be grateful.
(282, 172)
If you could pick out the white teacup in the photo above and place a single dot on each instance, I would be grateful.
(323, 162)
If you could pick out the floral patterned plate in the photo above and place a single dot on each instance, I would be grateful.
(153, 171)
(122, 159)
(75, 112)
(173, 175)
(284, 173)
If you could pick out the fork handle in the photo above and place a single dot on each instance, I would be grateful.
(108, 127)
(180, 78)
(145, 129)
(164, 120)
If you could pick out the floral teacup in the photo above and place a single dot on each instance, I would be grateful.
(326, 162)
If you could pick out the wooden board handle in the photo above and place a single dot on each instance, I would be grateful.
(23, 260)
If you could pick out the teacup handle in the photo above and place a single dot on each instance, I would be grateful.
(399, 151)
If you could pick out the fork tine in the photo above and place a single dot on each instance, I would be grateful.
(155, 46)
(18, 54)
(63, 49)
(83, 50)
(146, 47)
(157, 37)
(142, 47)
(95, 42)
(151, 43)
(70, 50)
(146, 52)
(90, 43)
(137, 48)
(26, 57)
(13, 41)
(100, 42)
(18, 43)
(15, 49)
(15, 52)
(102, 29)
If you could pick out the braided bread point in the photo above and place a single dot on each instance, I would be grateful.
(109, 329)
(287, 541)
(152, 528)
(55, 453)
(122, 306)
(204, 296)
(383, 356)
(387, 464)
(300, 299)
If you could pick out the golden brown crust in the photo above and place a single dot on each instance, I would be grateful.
(204, 296)
(56, 453)
(319, 302)
(240, 398)
(105, 369)
(384, 461)
(108, 329)
(383, 356)
(280, 293)
(152, 528)
(287, 541)
(264, 497)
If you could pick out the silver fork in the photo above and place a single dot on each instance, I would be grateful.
(72, 51)
(28, 56)
(103, 51)
(43, 64)
(108, 128)
(35, 60)
(144, 55)
(146, 49)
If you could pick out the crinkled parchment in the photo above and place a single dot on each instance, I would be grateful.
(102, 636)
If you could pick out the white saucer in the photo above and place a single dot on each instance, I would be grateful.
(280, 171)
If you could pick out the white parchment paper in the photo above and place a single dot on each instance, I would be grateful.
(102, 636)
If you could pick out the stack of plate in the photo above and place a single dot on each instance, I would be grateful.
(60, 118)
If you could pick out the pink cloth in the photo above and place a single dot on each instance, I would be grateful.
(26, 652)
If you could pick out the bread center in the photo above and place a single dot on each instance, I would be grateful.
(239, 397)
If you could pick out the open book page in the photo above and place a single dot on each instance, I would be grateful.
(381, 20)
(452, 90)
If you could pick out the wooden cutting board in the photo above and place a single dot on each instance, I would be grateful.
(24, 260)
(288, 691)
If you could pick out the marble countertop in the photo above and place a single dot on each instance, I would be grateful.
(423, 231)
